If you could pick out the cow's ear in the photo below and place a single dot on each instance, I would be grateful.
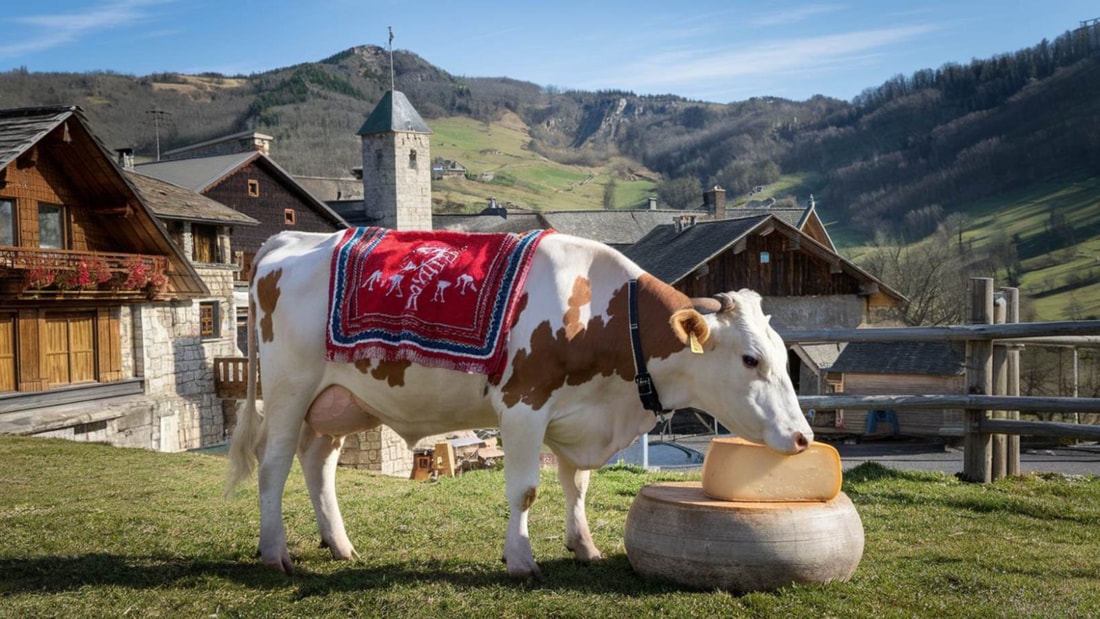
(688, 323)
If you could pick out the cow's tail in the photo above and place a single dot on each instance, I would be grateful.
(248, 436)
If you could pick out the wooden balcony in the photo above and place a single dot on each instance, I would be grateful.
(28, 273)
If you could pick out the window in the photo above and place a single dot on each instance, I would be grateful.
(289, 217)
(412, 159)
(378, 159)
(204, 242)
(70, 348)
(51, 226)
(7, 222)
(254, 188)
(209, 325)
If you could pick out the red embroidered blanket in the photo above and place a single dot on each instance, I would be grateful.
(439, 299)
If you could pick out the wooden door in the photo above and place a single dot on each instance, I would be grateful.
(70, 349)
(7, 352)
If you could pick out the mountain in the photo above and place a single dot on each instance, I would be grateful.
(901, 159)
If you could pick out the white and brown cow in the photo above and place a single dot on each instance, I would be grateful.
(568, 382)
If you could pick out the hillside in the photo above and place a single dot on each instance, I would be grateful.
(900, 160)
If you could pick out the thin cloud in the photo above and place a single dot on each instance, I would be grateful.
(672, 71)
(59, 29)
(793, 16)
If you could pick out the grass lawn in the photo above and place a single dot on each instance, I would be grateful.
(92, 531)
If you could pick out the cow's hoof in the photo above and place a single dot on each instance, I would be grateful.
(532, 573)
(585, 554)
(280, 564)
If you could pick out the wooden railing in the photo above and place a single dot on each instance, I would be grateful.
(988, 455)
(231, 378)
(34, 271)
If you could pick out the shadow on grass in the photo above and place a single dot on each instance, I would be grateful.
(51, 575)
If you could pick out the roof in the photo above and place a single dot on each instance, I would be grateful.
(928, 358)
(620, 228)
(670, 255)
(170, 201)
(85, 157)
(516, 221)
(821, 356)
(394, 113)
(22, 128)
(201, 173)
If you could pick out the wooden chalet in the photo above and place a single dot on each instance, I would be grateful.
(253, 184)
(107, 330)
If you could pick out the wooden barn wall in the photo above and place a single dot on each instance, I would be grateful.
(268, 208)
(915, 423)
(788, 272)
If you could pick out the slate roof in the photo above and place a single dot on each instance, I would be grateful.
(670, 255)
(928, 358)
(617, 228)
(394, 113)
(170, 201)
(517, 221)
(22, 128)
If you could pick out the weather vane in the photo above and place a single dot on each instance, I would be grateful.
(391, 57)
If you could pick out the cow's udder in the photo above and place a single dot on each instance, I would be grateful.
(337, 412)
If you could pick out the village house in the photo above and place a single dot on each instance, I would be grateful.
(108, 328)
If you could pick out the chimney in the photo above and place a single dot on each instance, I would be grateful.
(683, 222)
(125, 158)
(715, 202)
(652, 203)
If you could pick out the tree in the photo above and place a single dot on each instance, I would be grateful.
(681, 193)
(932, 274)
(609, 194)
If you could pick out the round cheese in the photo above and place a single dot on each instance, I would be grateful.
(738, 470)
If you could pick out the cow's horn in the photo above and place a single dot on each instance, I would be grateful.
(726, 301)
(706, 305)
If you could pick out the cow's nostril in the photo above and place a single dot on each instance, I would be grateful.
(800, 441)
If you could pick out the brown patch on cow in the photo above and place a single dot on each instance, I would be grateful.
(529, 498)
(363, 365)
(556, 358)
(393, 372)
(582, 295)
(267, 293)
(520, 306)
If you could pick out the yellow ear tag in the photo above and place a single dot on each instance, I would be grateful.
(696, 347)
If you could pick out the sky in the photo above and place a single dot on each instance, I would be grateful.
(709, 50)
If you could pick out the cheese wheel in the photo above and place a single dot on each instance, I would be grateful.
(737, 470)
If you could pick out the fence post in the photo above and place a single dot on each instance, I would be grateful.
(1012, 386)
(977, 447)
(1000, 387)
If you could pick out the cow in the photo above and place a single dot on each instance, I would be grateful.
(569, 382)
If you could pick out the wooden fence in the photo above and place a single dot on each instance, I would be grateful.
(992, 403)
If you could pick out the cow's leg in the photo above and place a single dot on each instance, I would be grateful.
(578, 539)
(278, 455)
(521, 433)
(319, 455)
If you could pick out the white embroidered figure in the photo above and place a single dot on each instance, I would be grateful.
(440, 286)
(466, 282)
(395, 284)
(373, 279)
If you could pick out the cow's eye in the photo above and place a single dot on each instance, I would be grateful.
(750, 361)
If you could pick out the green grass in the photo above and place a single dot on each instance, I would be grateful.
(90, 531)
(521, 176)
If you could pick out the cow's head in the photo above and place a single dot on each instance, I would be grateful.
(739, 370)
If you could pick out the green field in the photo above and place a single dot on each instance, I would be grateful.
(500, 165)
(94, 531)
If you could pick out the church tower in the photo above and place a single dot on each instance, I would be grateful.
(397, 166)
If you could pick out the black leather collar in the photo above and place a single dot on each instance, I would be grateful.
(647, 391)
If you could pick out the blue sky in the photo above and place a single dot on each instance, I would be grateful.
(721, 50)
